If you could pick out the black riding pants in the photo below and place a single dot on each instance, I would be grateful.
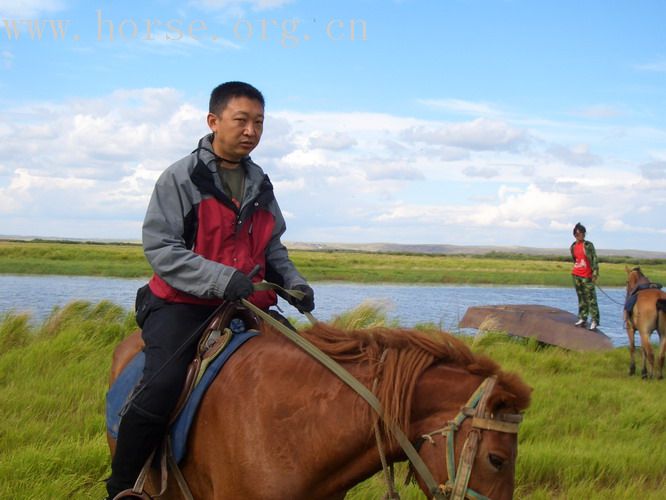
(166, 328)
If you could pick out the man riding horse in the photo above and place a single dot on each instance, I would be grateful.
(212, 220)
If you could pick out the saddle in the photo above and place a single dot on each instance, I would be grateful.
(233, 318)
(632, 297)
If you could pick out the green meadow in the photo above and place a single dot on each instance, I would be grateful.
(591, 432)
(127, 261)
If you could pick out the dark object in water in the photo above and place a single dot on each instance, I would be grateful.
(546, 324)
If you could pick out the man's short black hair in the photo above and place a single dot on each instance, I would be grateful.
(579, 228)
(220, 96)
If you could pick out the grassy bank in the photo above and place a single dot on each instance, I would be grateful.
(127, 261)
(592, 432)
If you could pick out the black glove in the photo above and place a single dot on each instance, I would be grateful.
(306, 304)
(239, 287)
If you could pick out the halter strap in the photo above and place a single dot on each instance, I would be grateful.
(457, 486)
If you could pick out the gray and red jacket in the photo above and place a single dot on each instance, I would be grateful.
(195, 237)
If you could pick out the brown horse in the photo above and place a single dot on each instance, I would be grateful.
(277, 424)
(647, 315)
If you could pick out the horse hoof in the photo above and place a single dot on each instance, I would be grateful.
(632, 371)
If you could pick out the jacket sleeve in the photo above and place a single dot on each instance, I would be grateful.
(594, 261)
(277, 256)
(164, 244)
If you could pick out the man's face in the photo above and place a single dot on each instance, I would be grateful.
(238, 128)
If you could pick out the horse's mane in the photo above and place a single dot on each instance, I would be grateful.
(398, 357)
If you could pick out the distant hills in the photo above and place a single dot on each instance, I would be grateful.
(393, 248)
(464, 249)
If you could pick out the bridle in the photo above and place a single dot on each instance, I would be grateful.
(456, 487)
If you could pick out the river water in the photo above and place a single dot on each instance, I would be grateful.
(443, 305)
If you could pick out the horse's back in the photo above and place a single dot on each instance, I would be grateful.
(648, 313)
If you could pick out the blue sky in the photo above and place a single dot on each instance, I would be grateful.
(455, 122)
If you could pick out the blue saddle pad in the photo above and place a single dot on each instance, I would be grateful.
(630, 302)
(131, 375)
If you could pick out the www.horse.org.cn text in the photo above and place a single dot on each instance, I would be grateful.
(288, 33)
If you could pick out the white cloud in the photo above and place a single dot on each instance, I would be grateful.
(461, 106)
(480, 134)
(359, 176)
(578, 155)
(485, 172)
(334, 141)
(28, 9)
(654, 170)
(22, 194)
(393, 171)
(617, 225)
(287, 186)
(92, 159)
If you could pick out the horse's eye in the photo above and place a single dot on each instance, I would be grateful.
(496, 461)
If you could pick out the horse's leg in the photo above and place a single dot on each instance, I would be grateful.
(631, 333)
(648, 355)
(662, 353)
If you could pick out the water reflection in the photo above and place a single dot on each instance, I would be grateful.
(408, 304)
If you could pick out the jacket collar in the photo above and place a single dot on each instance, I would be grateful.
(255, 179)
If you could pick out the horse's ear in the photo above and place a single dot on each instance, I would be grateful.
(626, 268)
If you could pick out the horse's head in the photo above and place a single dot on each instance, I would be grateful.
(459, 409)
(635, 277)
(474, 454)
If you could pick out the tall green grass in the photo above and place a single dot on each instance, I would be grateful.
(591, 432)
(127, 261)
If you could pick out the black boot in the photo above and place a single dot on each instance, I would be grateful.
(138, 435)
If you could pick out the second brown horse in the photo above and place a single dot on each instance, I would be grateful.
(647, 315)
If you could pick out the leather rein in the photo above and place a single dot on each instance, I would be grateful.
(456, 487)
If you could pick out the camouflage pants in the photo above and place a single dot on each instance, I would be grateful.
(587, 298)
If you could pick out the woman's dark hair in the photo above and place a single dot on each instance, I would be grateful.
(579, 228)
(220, 96)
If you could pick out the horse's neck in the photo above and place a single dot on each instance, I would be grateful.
(641, 280)
(440, 394)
